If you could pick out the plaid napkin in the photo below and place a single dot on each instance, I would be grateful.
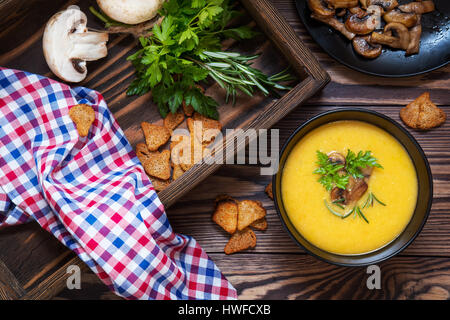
(92, 194)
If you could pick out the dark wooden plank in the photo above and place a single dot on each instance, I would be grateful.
(298, 277)
(10, 288)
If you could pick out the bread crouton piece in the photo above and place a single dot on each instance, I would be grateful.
(422, 113)
(158, 165)
(155, 136)
(203, 128)
(260, 224)
(159, 184)
(83, 116)
(187, 109)
(241, 240)
(173, 120)
(269, 190)
(248, 212)
(187, 160)
(177, 171)
(226, 214)
(142, 153)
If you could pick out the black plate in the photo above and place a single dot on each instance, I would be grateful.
(434, 47)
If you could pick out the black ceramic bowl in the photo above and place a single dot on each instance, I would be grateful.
(425, 191)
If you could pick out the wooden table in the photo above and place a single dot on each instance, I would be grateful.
(276, 268)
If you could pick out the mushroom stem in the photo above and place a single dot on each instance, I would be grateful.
(336, 24)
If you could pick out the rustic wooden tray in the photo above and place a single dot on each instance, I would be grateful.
(43, 273)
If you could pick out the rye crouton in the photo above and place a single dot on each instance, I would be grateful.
(158, 165)
(187, 109)
(226, 214)
(173, 120)
(159, 184)
(422, 113)
(260, 224)
(83, 116)
(204, 128)
(155, 136)
(241, 240)
(269, 190)
(248, 212)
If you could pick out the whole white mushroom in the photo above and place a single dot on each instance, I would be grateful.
(130, 11)
(68, 45)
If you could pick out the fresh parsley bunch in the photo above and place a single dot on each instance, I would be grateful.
(186, 48)
(331, 172)
(337, 175)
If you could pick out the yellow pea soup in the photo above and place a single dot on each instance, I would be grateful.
(395, 185)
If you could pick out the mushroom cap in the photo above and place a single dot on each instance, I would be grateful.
(130, 11)
(366, 49)
(68, 45)
(320, 7)
(406, 18)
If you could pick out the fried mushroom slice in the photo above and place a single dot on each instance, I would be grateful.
(400, 41)
(414, 41)
(320, 7)
(407, 19)
(364, 48)
(387, 5)
(337, 4)
(334, 23)
(361, 25)
(418, 7)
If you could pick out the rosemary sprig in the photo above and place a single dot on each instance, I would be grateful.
(370, 199)
(233, 71)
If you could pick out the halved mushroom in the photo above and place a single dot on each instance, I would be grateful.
(355, 190)
(387, 5)
(406, 18)
(357, 10)
(366, 49)
(336, 157)
(342, 3)
(418, 7)
(68, 45)
(319, 7)
(363, 24)
(415, 34)
(334, 23)
(399, 38)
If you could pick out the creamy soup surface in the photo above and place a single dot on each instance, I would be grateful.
(395, 185)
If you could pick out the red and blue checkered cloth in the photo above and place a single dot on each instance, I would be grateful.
(92, 194)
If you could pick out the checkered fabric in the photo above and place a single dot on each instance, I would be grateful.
(92, 194)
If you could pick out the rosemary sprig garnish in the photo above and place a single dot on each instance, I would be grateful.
(233, 71)
(370, 199)
(356, 210)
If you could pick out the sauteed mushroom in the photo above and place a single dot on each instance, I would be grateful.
(406, 18)
(364, 48)
(334, 23)
(364, 24)
(385, 4)
(336, 157)
(418, 7)
(400, 41)
(342, 3)
(319, 7)
(355, 190)
(414, 42)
